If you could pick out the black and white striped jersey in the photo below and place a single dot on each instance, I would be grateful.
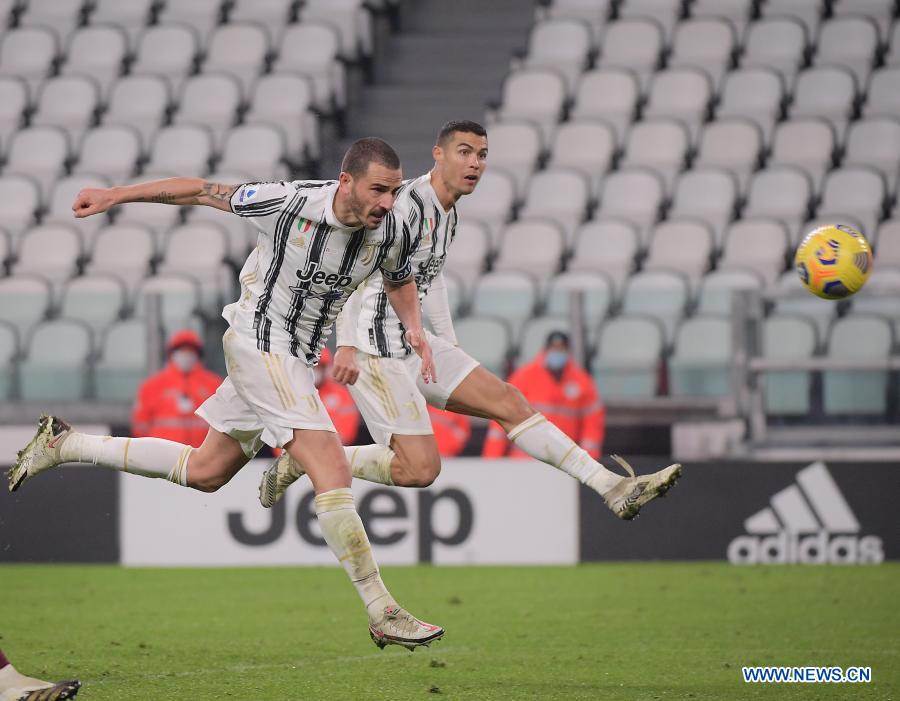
(378, 330)
(306, 264)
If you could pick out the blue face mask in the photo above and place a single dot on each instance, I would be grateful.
(556, 360)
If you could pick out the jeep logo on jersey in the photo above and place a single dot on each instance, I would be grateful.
(313, 276)
(809, 522)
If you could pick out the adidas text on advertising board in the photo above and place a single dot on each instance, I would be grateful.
(810, 523)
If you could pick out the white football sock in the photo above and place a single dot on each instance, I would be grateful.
(149, 457)
(371, 462)
(545, 442)
(343, 530)
(10, 678)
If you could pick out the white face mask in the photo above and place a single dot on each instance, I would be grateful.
(184, 359)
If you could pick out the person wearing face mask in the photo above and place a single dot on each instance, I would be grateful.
(166, 401)
(555, 385)
(337, 400)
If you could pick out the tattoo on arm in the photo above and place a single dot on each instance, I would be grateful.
(218, 192)
(162, 198)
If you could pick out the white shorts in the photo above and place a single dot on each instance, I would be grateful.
(264, 398)
(391, 394)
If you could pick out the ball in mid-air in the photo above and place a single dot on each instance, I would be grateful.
(834, 261)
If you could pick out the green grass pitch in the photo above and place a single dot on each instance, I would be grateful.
(608, 631)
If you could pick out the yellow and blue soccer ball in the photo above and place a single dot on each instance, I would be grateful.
(834, 261)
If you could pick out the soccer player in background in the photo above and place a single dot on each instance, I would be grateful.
(317, 241)
(375, 360)
(15, 686)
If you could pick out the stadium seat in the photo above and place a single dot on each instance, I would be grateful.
(274, 15)
(732, 144)
(131, 16)
(634, 45)
(736, 12)
(69, 102)
(592, 12)
(9, 351)
(635, 195)
(752, 93)
(787, 337)
(681, 94)
(892, 57)
(608, 246)
(95, 300)
(28, 53)
(255, 148)
(39, 152)
(597, 297)
(99, 52)
(828, 93)
(794, 298)
(717, 290)
(850, 42)
(159, 218)
(857, 337)
(756, 244)
(122, 250)
(683, 245)
(515, 146)
(49, 250)
(560, 194)
(887, 243)
(456, 292)
(60, 16)
(122, 366)
(881, 295)
(705, 44)
(352, 21)
(806, 143)
(776, 43)
(536, 95)
(286, 100)
(708, 194)
(487, 340)
(200, 15)
(875, 143)
(661, 294)
(626, 365)
(112, 150)
(242, 235)
(13, 103)
(56, 363)
(26, 301)
(179, 297)
(508, 295)
(470, 249)
(563, 45)
(534, 335)
(533, 246)
(492, 202)
(879, 11)
(700, 365)
(20, 198)
(664, 12)
(60, 207)
(238, 49)
(658, 144)
(782, 193)
(609, 94)
(854, 191)
(167, 51)
(808, 13)
(211, 100)
(139, 102)
(184, 149)
(198, 249)
(883, 96)
(311, 50)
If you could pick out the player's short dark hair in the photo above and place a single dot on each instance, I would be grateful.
(464, 126)
(371, 149)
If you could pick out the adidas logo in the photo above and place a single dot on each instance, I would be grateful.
(808, 523)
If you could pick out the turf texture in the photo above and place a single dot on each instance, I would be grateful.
(608, 631)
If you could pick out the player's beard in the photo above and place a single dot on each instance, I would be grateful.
(359, 211)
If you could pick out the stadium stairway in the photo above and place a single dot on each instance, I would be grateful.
(445, 61)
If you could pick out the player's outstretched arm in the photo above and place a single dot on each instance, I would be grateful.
(404, 298)
(179, 191)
